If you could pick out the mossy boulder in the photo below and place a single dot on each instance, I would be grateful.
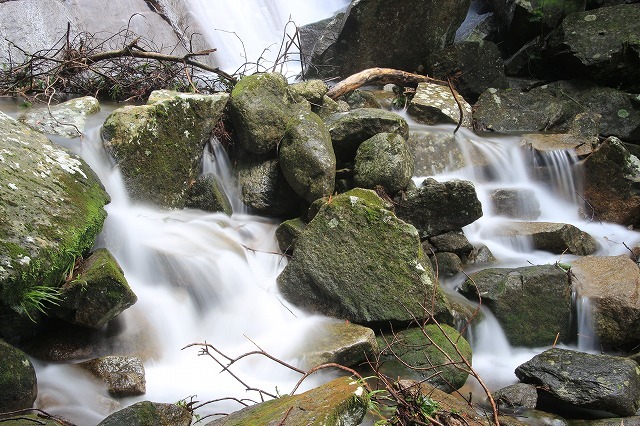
(18, 383)
(431, 350)
(357, 261)
(159, 146)
(208, 194)
(66, 119)
(51, 210)
(383, 160)
(97, 293)
(287, 233)
(341, 402)
(147, 413)
(306, 157)
(532, 304)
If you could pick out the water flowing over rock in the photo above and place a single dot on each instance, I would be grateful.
(439, 207)
(357, 261)
(612, 183)
(435, 104)
(50, 213)
(207, 193)
(603, 43)
(532, 304)
(159, 146)
(67, 119)
(342, 343)
(552, 237)
(97, 293)
(124, 376)
(306, 157)
(598, 382)
(149, 413)
(383, 160)
(18, 383)
(612, 284)
(341, 402)
(371, 27)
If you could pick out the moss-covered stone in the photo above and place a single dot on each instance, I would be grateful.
(341, 402)
(51, 210)
(18, 383)
(358, 261)
(208, 194)
(383, 160)
(147, 413)
(288, 232)
(159, 146)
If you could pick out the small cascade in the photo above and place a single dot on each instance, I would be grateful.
(587, 341)
(215, 160)
(564, 173)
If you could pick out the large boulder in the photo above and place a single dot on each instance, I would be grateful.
(436, 104)
(532, 304)
(341, 402)
(51, 210)
(439, 207)
(383, 160)
(342, 343)
(306, 157)
(612, 284)
(612, 183)
(371, 26)
(357, 261)
(66, 119)
(578, 379)
(18, 383)
(147, 413)
(97, 293)
(603, 44)
(159, 146)
(552, 237)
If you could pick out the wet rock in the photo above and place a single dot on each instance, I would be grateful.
(454, 241)
(123, 376)
(357, 261)
(545, 142)
(208, 194)
(447, 264)
(612, 183)
(439, 207)
(288, 232)
(473, 65)
(553, 237)
(18, 383)
(532, 304)
(97, 293)
(435, 152)
(603, 43)
(149, 413)
(519, 395)
(436, 104)
(348, 130)
(357, 45)
(479, 255)
(65, 119)
(598, 382)
(159, 146)
(310, 90)
(612, 284)
(341, 402)
(51, 210)
(383, 160)
(431, 355)
(306, 157)
(520, 203)
(342, 343)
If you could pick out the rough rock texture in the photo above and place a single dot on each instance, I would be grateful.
(383, 160)
(311, 90)
(435, 104)
(51, 210)
(439, 207)
(208, 194)
(599, 382)
(366, 23)
(532, 304)
(18, 383)
(66, 119)
(455, 242)
(124, 376)
(342, 343)
(612, 284)
(432, 354)
(348, 130)
(446, 264)
(552, 237)
(612, 183)
(603, 44)
(357, 261)
(97, 293)
(520, 203)
(519, 395)
(147, 413)
(159, 146)
(341, 402)
(306, 157)
(545, 142)
(434, 152)
(288, 232)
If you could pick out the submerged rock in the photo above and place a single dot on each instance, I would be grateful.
(147, 413)
(123, 376)
(65, 119)
(18, 383)
(578, 379)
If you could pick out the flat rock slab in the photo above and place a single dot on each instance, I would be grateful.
(554, 237)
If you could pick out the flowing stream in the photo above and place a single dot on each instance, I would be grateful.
(209, 277)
